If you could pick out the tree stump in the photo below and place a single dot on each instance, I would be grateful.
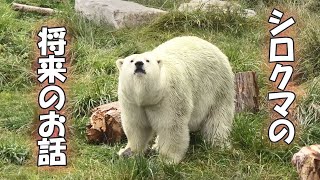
(247, 92)
(105, 124)
(307, 162)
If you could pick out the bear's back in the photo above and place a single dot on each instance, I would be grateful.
(191, 51)
(195, 59)
(196, 67)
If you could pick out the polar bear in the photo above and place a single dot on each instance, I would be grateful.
(185, 84)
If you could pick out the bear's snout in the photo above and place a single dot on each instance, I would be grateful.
(138, 64)
(139, 67)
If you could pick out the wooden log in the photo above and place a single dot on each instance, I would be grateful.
(307, 162)
(247, 92)
(105, 124)
(28, 8)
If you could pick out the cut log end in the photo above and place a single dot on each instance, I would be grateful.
(105, 124)
(307, 162)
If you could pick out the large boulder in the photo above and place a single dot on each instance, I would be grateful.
(116, 13)
(205, 5)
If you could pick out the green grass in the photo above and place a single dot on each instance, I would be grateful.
(310, 61)
(17, 113)
(13, 153)
(94, 81)
(309, 113)
(15, 38)
(313, 5)
(17, 110)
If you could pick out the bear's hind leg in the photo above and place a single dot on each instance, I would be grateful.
(217, 126)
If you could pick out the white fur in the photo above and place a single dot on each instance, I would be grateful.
(188, 86)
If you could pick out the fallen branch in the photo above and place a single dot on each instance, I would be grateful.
(27, 8)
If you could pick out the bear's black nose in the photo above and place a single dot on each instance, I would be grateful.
(139, 64)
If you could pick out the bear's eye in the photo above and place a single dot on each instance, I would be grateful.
(147, 60)
(131, 61)
(159, 61)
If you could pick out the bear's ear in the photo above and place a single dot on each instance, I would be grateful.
(119, 63)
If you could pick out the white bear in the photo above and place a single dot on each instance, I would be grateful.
(185, 84)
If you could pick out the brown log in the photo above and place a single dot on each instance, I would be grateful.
(27, 8)
(105, 124)
(247, 92)
(307, 162)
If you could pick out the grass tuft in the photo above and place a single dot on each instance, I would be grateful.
(15, 38)
(214, 20)
(161, 4)
(313, 6)
(310, 60)
(309, 113)
(14, 153)
(263, 3)
(16, 111)
(91, 91)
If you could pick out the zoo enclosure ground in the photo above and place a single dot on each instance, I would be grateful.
(94, 81)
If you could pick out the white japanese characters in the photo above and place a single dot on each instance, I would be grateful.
(52, 98)
(287, 71)
(54, 39)
(51, 68)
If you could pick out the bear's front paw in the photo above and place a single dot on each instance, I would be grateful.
(225, 144)
(125, 152)
(169, 161)
(170, 158)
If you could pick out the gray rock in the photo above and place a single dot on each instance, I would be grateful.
(205, 5)
(117, 13)
(249, 13)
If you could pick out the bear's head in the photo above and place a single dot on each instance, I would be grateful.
(140, 77)
(139, 65)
